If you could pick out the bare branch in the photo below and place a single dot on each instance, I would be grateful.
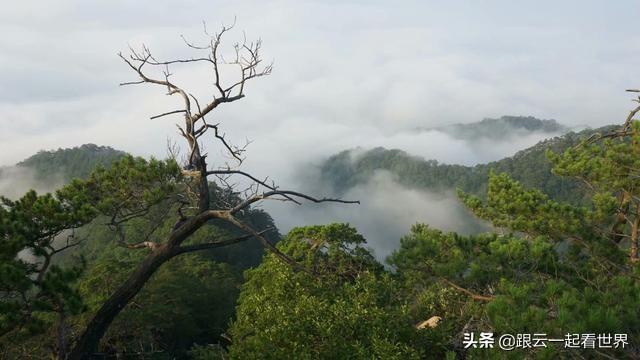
(217, 244)
(229, 217)
(474, 296)
(245, 174)
(623, 131)
(142, 245)
(168, 113)
(273, 193)
(178, 61)
(132, 83)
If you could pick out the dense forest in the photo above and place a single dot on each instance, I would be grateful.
(552, 268)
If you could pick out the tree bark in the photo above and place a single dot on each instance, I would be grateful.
(88, 342)
(635, 228)
(620, 222)
(62, 335)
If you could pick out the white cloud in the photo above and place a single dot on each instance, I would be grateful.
(354, 64)
(386, 212)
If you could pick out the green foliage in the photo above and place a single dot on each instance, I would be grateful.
(439, 272)
(40, 285)
(189, 300)
(509, 205)
(32, 288)
(207, 352)
(611, 170)
(129, 187)
(607, 166)
(533, 289)
(345, 308)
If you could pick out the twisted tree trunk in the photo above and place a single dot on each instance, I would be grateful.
(88, 342)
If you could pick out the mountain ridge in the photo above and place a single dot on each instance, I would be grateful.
(498, 128)
(75, 162)
(349, 168)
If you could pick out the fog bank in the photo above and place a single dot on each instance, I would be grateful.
(386, 212)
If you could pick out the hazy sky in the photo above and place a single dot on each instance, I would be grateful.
(347, 73)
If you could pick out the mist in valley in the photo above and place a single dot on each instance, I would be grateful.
(387, 209)
(15, 181)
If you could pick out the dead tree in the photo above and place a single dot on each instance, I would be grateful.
(246, 58)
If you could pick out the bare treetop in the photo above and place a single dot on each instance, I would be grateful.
(249, 65)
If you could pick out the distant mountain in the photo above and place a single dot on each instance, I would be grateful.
(530, 166)
(70, 163)
(48, 170)
(501, 128)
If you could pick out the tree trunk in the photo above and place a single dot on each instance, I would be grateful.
(62, 335)
(620, 222)
(88, 342)
(635, 228)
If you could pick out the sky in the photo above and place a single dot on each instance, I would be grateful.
(346, 74)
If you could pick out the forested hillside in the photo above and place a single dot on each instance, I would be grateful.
(529, 166)
(189, 301)
(70, 163)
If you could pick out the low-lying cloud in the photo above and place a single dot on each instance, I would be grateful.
(15, 181)
(286, 155)
(386, 212)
